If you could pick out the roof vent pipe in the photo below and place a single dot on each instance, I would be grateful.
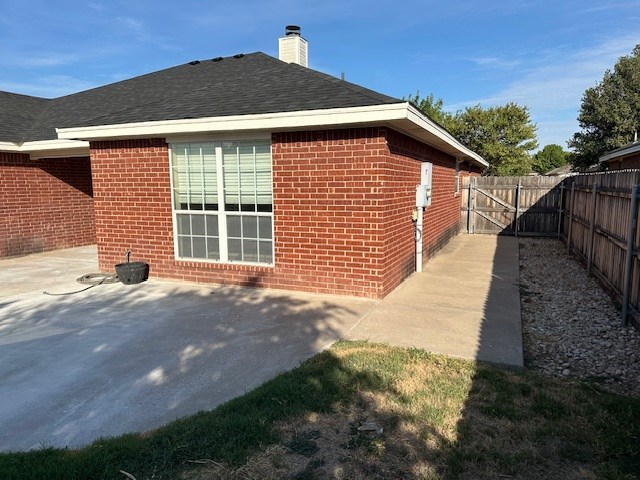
(292, 48)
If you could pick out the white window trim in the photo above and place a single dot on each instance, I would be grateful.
(221, 212)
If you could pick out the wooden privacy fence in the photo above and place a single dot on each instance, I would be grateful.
(512, 205)
(600, 226)
(595, 215)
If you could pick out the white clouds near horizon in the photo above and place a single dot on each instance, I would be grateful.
(552, 84)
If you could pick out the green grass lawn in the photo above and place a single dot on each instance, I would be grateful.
(440, 418)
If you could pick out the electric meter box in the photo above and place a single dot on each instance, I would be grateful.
(423, 191)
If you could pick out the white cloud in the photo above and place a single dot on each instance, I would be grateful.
(140, 33)
(48, 60)
(556, 82)
(552, 83)
(607, 7)
(97, 6)
(495, 62)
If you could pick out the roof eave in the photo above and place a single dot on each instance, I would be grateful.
(440, 138)
(401, 116)
(11, 147)
(619, 152)
(48, 148)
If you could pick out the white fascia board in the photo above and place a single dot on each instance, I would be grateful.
(419, 119)
(11, 147)
(265, 122)
(396, 114)
(620, 153)
(56, 148)
(48, 148)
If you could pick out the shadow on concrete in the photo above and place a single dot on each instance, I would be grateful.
(122, 358)
(231, 340)
(500, 333)
(482, 423)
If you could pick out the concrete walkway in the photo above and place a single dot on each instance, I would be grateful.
(120, 358)
(466, 303)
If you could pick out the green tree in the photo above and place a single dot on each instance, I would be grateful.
(431, 106)
(550, 157)
(609, 113)
(504, 136)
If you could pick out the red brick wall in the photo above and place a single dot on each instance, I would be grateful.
(329, 197)
(628, 162)
(441, 219)
(342, 211)
(132, 198)
(326, 238)
(44, 204)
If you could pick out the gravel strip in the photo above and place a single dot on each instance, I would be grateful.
(571, 327)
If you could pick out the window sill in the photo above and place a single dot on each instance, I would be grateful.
(216, 264)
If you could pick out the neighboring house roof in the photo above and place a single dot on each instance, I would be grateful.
(619, 153)
(243, 92)
(563, 170)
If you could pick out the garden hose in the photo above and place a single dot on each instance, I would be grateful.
(91, 279)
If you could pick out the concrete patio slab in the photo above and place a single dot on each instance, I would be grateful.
(121, 358)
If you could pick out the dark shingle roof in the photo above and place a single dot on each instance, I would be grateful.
(251, 84)
(621, 151)
(18, 113)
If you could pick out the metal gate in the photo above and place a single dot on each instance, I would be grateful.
(513, 205)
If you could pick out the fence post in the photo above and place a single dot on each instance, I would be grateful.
(469, 205)
(631, 243)
(516, 221)
(573, 196)
(592, 226)
(472, 208)
(560, 209)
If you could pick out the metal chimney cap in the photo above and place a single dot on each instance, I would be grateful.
(292, 30)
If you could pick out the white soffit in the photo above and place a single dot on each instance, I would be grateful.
(402, 116)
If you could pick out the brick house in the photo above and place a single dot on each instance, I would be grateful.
(622, 158)
(243, 170)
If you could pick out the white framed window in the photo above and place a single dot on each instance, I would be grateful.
(223, 201)
(456, 187)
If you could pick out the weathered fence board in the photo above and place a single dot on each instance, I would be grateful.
(511, 205)
(596, 215)
(600, 227)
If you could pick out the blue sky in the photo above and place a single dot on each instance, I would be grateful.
(542, 54)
